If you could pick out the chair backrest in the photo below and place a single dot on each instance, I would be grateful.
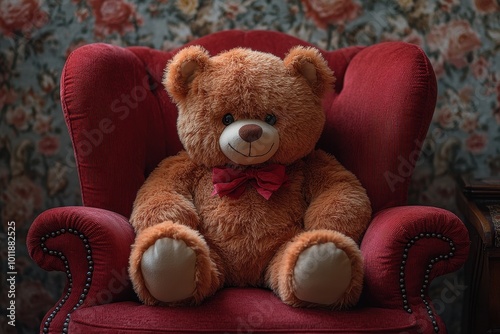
(122, 122)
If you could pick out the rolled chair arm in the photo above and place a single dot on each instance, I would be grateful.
(92, 247)
(404, 249)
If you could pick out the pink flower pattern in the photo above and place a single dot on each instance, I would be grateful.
(21, 16)
(336, 12)
(114, 16)
(454, 41)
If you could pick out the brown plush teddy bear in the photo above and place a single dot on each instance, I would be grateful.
(249, 202)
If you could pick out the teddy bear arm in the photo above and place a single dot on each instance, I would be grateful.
(166, 196)
(173, 207)
(346, 213)
(337, 199)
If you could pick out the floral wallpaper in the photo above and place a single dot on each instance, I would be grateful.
(37, 171)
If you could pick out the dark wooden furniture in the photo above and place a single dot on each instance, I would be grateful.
(482, 298)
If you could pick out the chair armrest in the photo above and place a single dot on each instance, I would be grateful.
(404, 249)
(92, 247)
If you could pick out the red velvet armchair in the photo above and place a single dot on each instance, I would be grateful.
(122, 124)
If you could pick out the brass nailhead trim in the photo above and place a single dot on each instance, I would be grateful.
(90, 270)
(425, 284)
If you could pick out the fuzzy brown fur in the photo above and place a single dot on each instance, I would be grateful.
(250, 241)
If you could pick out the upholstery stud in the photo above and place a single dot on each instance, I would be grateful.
(425, 280)
(90, 269)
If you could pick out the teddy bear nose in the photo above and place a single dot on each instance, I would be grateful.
(250, 132)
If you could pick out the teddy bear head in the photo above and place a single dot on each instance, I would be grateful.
(244, 107)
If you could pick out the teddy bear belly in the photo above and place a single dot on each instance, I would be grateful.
(245, 233)
(243, 258)
(246, 239)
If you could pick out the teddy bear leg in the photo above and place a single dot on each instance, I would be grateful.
(171, 264)
(318, 268)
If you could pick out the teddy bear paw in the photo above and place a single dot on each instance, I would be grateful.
(168, 268)
(322, 274)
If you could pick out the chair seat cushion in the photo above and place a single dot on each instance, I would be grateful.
(242, 310)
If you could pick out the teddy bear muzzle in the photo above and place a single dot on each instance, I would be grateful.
(249, 142)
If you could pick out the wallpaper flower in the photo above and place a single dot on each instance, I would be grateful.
(37, 168)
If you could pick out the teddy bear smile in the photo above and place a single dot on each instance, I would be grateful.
(249, 155)
(249, 141)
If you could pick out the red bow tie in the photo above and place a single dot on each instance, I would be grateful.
(231, 182)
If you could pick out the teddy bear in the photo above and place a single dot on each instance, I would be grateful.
(250, 201)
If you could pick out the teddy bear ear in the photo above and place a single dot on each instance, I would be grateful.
(309, 63)
(182, 69)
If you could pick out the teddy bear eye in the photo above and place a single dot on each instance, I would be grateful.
(227, 119)
(270, 119)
